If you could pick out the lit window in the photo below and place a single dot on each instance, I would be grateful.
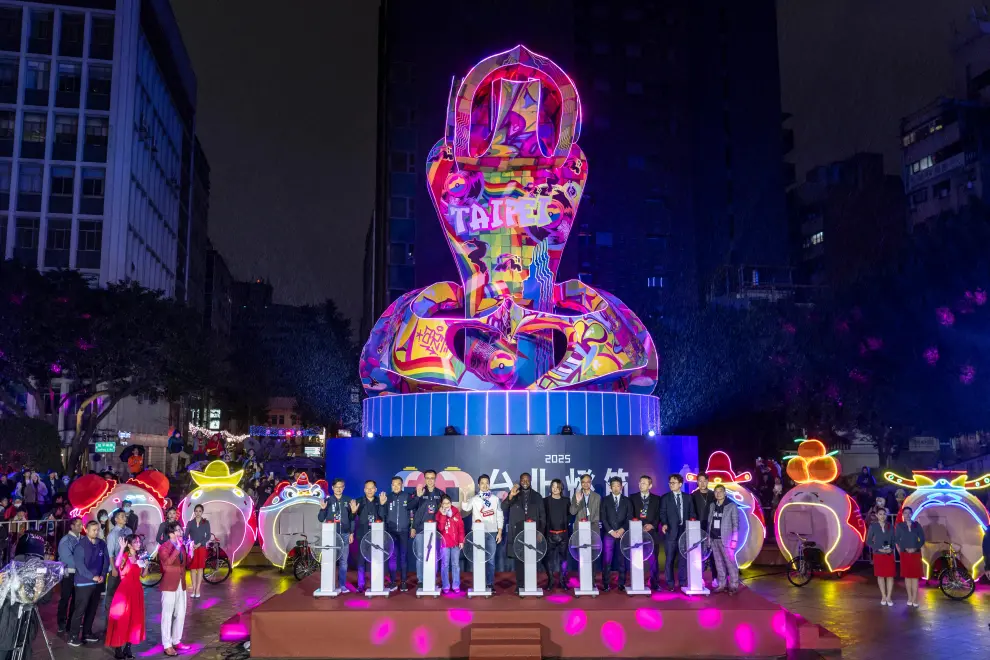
(37, 75)
(817, 238)
(654, 281)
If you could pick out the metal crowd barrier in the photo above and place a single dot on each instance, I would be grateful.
(12, 530)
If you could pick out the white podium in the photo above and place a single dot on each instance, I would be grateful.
(378, 559)
(430, 548)
(695, 561)
(475, 542)
(531, 557)
(638, 556)
(329, 540)
(586, 560)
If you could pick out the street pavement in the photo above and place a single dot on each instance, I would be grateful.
(849, 607)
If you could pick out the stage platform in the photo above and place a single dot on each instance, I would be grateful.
(664, 625)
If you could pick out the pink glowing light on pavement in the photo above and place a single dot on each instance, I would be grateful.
(613, 636)
(931, 355)
(422, 640)
(575, 622)
(251, 602)
(235, 631)
(356, 604)
(710, 617)
(153, 651)
(191, 649)
(381, 630)
(558, 599)
(648, 619)
(945, 316)
(745, 638)
(208, 603)
(459, 617)
(780, 626)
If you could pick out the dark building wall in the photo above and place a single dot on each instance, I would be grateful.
(682, 130)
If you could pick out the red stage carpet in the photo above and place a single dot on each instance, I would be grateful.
(666, 625)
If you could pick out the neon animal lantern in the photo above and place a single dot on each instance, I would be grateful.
(291, 510)
(818, 510)
(227, 507)
(947, 510)
(506, 181)
(752, 524)
(147, 492)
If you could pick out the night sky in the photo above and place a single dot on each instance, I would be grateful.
(287, 96)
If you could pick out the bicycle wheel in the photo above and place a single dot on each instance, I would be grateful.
(153, 575)
(217, 569)
(956, 583)
(799, 572)
(304, 567)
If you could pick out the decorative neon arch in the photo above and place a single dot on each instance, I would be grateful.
(945, 507)
(304, 499)
(753, 526)
(813, 468)
(226, 506)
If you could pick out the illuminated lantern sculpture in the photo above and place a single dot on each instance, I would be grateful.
(818, 510)
(227, 507)
(752, 524)
(289, 511)
(947, 510)
(506, 181)
(147, 492)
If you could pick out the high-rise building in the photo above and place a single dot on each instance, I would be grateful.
(944, 145)
(847, 218)
(218, 294)
(682, 130)
(97, 118)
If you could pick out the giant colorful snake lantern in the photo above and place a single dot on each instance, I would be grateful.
(506, 181)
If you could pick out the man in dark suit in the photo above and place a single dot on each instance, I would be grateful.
(676, 508)
(646, 507)
(616, 512)
(522, 504)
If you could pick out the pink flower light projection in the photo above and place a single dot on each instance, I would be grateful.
(931, 355)
(780, 626)
(575, 622)
(460, 617)
(710, 617)
(649, 619)
(558, 599)
(356, 604)
(613, 636)
(945, 316)
(967, 374)
(745, 638)
(381, 630)
(422, 640)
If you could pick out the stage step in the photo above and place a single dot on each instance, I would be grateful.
(812, 636)
(502, 641)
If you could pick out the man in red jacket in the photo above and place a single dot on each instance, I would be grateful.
(173, 557)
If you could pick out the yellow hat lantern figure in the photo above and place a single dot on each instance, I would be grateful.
(227, 507)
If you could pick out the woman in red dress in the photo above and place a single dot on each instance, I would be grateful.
(880, 538)
(910, 538)
(125, 618)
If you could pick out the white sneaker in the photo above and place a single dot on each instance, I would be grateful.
(890, 603)
(883, 601)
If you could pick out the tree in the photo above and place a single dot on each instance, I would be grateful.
(110, 344)
(31, 442)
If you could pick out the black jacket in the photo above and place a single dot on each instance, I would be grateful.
(702, 501)
(668, 511)
(367, 513)
(339, 510)
(398, 511)
(426, 510)
(519, 513)
(612, 518)
(652, 516)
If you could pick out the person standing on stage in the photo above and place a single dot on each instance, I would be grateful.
(616, 513)
(397, 507)
(522, 504)
(676, 508)
(173, 558)
(646, 507)
(119, 531)
(125, 616)
(486, 513)
(427, 505)
(171, 516)
(703, 498)
(199, 534)
(880, 539)
(66, 600)
(367, 511)
(723, 530)
(910, 539)
(557, 508)
(336, 508)
(586, 503)
(450, 527)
